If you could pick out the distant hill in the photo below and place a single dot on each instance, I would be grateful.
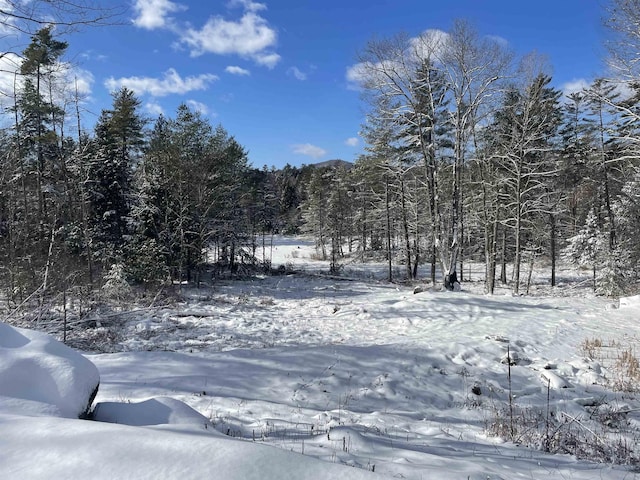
(333, 164)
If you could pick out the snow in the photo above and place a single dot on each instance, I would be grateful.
(307, 376)
(51, 448)
(630, 302)
(155, 411)
(41, 376)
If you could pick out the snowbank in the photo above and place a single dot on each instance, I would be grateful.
(42, 380)
(41, 376)
(46, 448)
(630, 302)
(155, 411)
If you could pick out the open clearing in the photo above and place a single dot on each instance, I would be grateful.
(370, 375)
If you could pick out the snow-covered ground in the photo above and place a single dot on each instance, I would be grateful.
(308, 376)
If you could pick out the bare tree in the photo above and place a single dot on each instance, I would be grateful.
(624, 47)
(524, 129)
(421, 77)
(17, 16)
(624, 64)
(474, 67)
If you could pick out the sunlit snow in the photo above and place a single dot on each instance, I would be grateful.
(309, 376)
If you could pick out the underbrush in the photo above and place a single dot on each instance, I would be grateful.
(605, 434)
(620, 359)
(88, 320)
(607, 430)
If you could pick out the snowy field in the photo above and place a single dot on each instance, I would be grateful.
(307, 376)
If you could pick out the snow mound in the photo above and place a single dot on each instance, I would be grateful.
(41, 376)
(57, 448)
(155, 411)
(630, 302)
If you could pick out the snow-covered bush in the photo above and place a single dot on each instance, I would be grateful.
(591, 248)
(155, 411)
(116, 286)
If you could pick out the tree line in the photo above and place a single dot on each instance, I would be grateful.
(134, 202)
(473, 155)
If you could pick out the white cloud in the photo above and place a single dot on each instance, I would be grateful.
(356, 75)
(10, 16)
(79, 79)
(401, 59)
(309, 150)
(9, 65)
(503, 42)
(250, 37)
(93, 55)
(431, 44)
(268, 60)
(234, 70)
(574, 86)
(171, 83)
(352, 142)
(152, 14)
(154, 108)
(198, 107)
(297, 73)
(248, 5)
(66, 79)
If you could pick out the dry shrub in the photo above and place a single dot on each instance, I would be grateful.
(591, 348)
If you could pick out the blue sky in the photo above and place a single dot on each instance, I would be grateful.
(274, 73)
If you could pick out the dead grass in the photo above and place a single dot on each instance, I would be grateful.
(619, 359)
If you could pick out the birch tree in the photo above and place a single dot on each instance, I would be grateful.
(420, 76)
(524, 127)
(474, 67)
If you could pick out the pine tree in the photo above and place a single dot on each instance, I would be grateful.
(598, 95)
(36, 115)
(118, 142)
(315, 211)
(627, 208)
(577, 145)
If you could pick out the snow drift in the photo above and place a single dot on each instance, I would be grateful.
(41, 376)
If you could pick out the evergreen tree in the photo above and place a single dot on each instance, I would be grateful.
(118, 142)
(192, 180)
(36, 115)
(588, 248)
(315, 211)
(598, 95)
(577, 146)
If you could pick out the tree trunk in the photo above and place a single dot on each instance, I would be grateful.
(517, 257)
(503, 258)
(405, 228)
(433, 264)
(490, 258)
(390, 276)
(552, 241)
(533, 257)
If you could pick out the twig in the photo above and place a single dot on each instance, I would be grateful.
(23, 302)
